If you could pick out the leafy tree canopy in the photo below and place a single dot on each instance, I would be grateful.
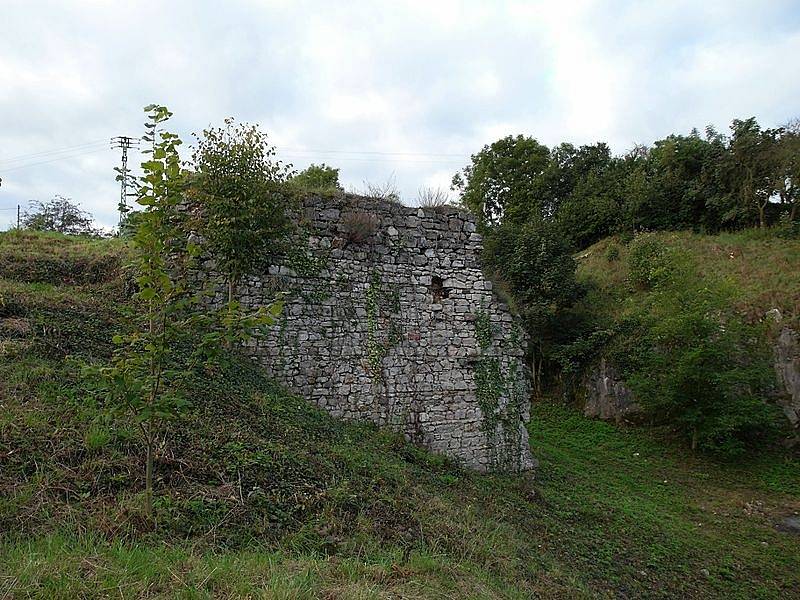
(59, 214)
(502, 179)
(318, 178)
(243, 198)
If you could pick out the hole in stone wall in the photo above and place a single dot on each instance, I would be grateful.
(438, 290)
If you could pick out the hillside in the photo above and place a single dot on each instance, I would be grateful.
(763, 269)
(259, 494)
(698, 332)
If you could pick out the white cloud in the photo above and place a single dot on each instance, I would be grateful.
(416, 77)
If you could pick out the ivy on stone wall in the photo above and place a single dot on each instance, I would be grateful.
(375, 350)
(492, 387)
(375, 300)
(309, 264)
(483, 330)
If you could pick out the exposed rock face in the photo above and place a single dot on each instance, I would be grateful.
(787, 368)
(389, 319)
(607, 396)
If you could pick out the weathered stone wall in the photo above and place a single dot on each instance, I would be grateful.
(400, 328)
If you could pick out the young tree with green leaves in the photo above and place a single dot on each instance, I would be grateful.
(242, 198)
(175, 333)
(318, 178)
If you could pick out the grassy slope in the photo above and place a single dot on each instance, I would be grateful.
(764, 269)
(263, 495)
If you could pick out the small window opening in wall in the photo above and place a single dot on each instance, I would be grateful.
(438, 290)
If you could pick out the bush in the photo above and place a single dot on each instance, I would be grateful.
(61, 215)
(787, 229)
(319, 179)
(693, 363)
(648, 261)
(359, 226)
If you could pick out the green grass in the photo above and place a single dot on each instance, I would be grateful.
(260, 494)
(762, 267)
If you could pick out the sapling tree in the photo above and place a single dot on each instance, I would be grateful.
(176, 333)
(243, 200)
(318, 178)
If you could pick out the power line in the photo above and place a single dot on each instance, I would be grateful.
(376, 159)
(375, 152)
(43, 162)
(49, 152)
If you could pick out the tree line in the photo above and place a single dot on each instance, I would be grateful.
(708, 182)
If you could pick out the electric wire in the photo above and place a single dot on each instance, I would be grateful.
(68, 152)
(22, 157)
(17, 167)
(311, 150)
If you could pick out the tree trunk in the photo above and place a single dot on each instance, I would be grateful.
(761, 222)
(148, 434)
(231, 288)
(148, 485)
(536, 373)
(539, 376)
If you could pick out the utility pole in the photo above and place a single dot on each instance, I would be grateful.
(124, 143)
(18, 216)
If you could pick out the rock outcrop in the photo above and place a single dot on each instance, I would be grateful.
(787, 369)
(607, 396)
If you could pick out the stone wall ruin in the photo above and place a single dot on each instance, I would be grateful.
(389, 319)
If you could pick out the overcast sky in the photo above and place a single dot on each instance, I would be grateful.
(379, 89)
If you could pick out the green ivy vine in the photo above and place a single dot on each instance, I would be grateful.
(483, 329)
(493, 385)
(375, 350)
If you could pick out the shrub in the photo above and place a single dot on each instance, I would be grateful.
(59, 214)
(648, 261)
(787, 229)
(383, 191)
(359, 226)
(697, 366)
(320, 179)
(429, 197)
(612, 253)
